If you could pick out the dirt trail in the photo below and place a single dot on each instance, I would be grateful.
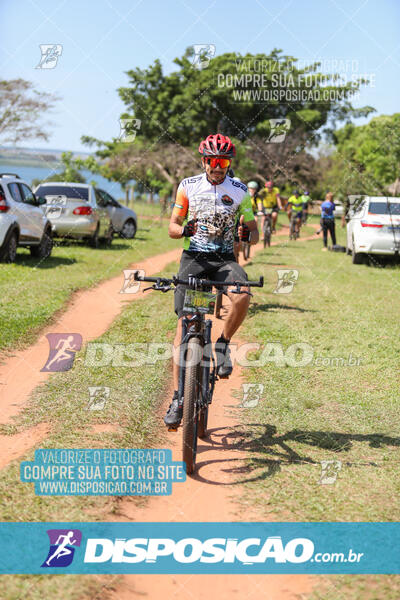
(208, 496)
(90, 313)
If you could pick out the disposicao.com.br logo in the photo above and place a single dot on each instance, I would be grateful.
(61, 551)
(191, 550)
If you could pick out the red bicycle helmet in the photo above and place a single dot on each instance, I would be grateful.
(217, 145)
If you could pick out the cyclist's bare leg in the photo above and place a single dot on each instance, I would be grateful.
(237, 313)
(263, 222)
(274, 219)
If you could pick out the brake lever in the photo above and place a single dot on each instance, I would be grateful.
(160, 288)
(238, 290)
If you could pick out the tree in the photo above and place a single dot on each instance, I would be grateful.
(188, 104)
(366, 158)
(21, 111)
(69, 173)
(172, 113)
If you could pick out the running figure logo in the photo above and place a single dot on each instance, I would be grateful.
(279, 129)
(62, 351)
(61, 551)
(286, 280)
(130, 286)
(329, 471)
(252, 393)
(202, 54)
(50, 55)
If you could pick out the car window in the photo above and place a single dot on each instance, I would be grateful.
(384, 208)
(28, 196)
(15, 192)
(110, 199)
(82, 193)
(101, 201)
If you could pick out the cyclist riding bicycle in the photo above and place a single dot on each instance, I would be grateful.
(269, 199)
(210, 202)
(295, 206)
(252, 188)
(306, 201)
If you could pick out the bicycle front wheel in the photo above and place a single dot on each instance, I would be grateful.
(190, 403)
(202, 423)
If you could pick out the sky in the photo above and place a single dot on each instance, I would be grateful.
(103, 39)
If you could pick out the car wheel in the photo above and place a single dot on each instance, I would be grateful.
(43, 250)
(357, 257)
(94, 240)
(129, 230)
(9, 253)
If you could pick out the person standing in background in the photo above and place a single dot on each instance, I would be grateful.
(328, 219)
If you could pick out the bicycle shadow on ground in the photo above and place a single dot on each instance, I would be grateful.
(254, 308)
(267, 451)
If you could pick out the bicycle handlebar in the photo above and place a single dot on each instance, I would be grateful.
(199, 282)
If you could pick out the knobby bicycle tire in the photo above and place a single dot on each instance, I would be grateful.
(190, 396)
(267, 235)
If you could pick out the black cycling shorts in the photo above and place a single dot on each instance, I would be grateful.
(218, 267)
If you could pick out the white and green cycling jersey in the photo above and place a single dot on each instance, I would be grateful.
(216, 208)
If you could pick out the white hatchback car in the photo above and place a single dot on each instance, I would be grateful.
(373, 227)
(22, 221)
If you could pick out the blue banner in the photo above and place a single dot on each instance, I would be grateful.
(239, 548)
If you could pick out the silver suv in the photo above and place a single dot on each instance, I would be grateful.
(22, 220)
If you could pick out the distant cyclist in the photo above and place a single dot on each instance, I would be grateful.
(252, 188)
(295, 206)
(306, 201)
(269, 199)
(211, 203)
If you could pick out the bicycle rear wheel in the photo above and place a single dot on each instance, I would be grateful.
(190, 403)
(267, 234)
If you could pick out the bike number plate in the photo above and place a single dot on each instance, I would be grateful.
(197, 301)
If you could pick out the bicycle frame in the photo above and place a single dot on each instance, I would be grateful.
(196, 326)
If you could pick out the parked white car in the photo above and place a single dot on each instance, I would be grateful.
(22, 221)
(373, 227)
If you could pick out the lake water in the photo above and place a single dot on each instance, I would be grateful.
(28, 173)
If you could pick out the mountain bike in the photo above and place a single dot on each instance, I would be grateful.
(294, 232)
(246, 249)
(267, 229)
(197, 363)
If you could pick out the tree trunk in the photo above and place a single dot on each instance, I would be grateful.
(174, 190)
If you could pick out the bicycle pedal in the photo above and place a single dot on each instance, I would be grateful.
(173, 427)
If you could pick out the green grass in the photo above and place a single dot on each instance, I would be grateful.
(333, 412)
(32, 291)
(146, 209)
(135, 397)
(308, 414)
